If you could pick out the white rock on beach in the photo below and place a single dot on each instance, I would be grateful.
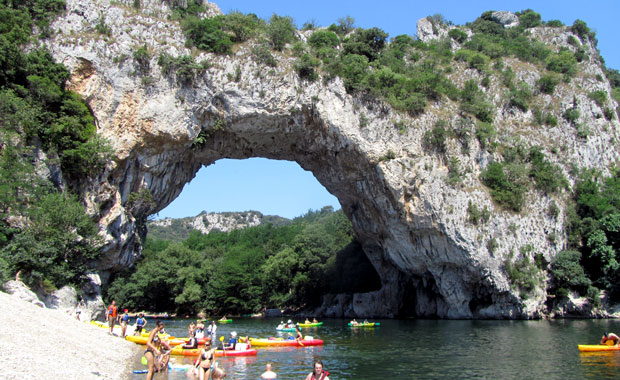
(37, 343)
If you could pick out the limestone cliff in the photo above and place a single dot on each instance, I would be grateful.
(179, 228)
(412, 224)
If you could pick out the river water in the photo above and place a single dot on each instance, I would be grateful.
(423, 349)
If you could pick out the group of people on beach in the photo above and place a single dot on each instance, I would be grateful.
(112, 316)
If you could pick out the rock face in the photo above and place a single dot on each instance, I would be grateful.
(412, 224)
(172, 228)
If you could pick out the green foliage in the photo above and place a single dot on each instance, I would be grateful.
(599, 97)
(458, 35)
(529, 19)
(436, 137)
(454, 172)
(478, 61)
(242, 26)
(507, 184)
(563, 62)
(323, 38)
(306, 67)
(485, 133)
(547, 83)
(571, 114)
(524, 275)
(345, 25)
(593, 228)
(280, 31)
(102, 28)
(366, 42)
(143, 58)
(57, 244)
(519, 96)
(207, 34)
(554, 23)
(547, 176)
(245, 270)
(477, 216)
(55, 240)
(581, 29)
(473, 101)
(264, 56)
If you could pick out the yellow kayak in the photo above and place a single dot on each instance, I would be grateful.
(311, 324)
(597, 347)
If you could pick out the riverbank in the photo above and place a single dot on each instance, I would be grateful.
(37, 343)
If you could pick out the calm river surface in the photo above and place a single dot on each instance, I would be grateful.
(424, 349)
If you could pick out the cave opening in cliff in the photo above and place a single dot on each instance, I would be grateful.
(280, 191)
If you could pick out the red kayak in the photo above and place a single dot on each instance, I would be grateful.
(178, 350)
(286, 342)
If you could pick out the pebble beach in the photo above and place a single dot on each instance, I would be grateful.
(37, 343)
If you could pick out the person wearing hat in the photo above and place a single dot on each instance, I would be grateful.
(124, 321)
(231, 342)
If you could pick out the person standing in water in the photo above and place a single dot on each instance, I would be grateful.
(318, 373)
(268, 374)
(153, 352)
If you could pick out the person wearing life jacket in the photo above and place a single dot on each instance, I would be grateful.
(112, 315)
(232, 342)
(140, 323)
(318, 373)
(610, 337)
(124, 321)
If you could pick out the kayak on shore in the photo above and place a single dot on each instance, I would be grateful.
(279, 342)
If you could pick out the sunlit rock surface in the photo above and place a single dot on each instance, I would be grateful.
(413, 226)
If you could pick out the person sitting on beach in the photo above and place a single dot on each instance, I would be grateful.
(607, 337)
(318, 373)
(140, 323)
(268, 374)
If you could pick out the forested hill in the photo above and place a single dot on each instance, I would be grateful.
(245, 270)
(178, 229)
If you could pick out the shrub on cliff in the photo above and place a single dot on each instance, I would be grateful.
(280, 31)
(207, 34)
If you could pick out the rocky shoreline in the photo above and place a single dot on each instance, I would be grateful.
(40, 343)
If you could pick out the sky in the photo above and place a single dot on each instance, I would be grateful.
(283, 188)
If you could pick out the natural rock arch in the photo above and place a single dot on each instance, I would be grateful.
(412, 225)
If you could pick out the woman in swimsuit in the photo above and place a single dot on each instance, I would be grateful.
(153, 346)
(204, 364)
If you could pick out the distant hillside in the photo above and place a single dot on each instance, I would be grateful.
(179, 229)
